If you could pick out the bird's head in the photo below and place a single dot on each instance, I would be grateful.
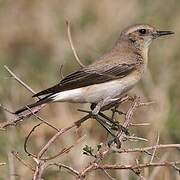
(142, 35)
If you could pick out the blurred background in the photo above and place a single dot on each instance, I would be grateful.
(34, 45)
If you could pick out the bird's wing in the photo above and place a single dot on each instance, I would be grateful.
(89, 76)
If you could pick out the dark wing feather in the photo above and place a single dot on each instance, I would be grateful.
(87, 77)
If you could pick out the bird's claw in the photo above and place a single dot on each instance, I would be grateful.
(116, 141)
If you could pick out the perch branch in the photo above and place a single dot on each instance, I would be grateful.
(132, 167)
(107, 151)
(144, 149)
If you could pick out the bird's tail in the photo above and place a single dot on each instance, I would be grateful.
(33, 108)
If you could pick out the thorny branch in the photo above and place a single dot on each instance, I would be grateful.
(43, 163)
(139, 166)
(144, 149)
(107, 151)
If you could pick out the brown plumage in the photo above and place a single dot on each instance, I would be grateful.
(108, 77)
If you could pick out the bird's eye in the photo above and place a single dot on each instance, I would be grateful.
(142, 31)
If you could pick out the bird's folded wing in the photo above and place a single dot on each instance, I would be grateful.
(89, 76)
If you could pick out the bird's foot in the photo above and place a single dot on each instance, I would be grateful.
(116, 141)
(118, 127)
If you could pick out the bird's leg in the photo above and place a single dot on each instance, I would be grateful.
(119, 112)
(97, 108)
(103, 122)
(102, 103)
(96, 113)
(100, 120)
(115, 138)
(116, 105)
(116, 141)
(114, 124)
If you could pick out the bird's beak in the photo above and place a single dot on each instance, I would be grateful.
(162, 33)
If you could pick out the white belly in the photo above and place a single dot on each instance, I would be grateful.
(96, 92)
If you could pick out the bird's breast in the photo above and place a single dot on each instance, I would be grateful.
(98, 92)
(112, 89)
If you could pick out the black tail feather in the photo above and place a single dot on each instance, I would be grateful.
(35, 107)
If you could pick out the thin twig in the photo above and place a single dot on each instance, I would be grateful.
(142, 177)
(11, 166)
(160, 146)
(63, 151)
(45, 148)
(146, 103)
(135, 138)
(27, 138)
(129, 167)
(61, 73)
(138, 171)
(16, 119)
(156, 170)
(130, 112)
(16, 155)
(42, 120)
(128, 118)
(176, 168)
(42, 164)
(40, 167)
(19, 80)
(6, 109)
(12, 122)
(72, 46)
(154, 151)
(108, 175)
(69, 168)
(139, 124)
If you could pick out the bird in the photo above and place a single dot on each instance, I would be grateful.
(108, 77)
